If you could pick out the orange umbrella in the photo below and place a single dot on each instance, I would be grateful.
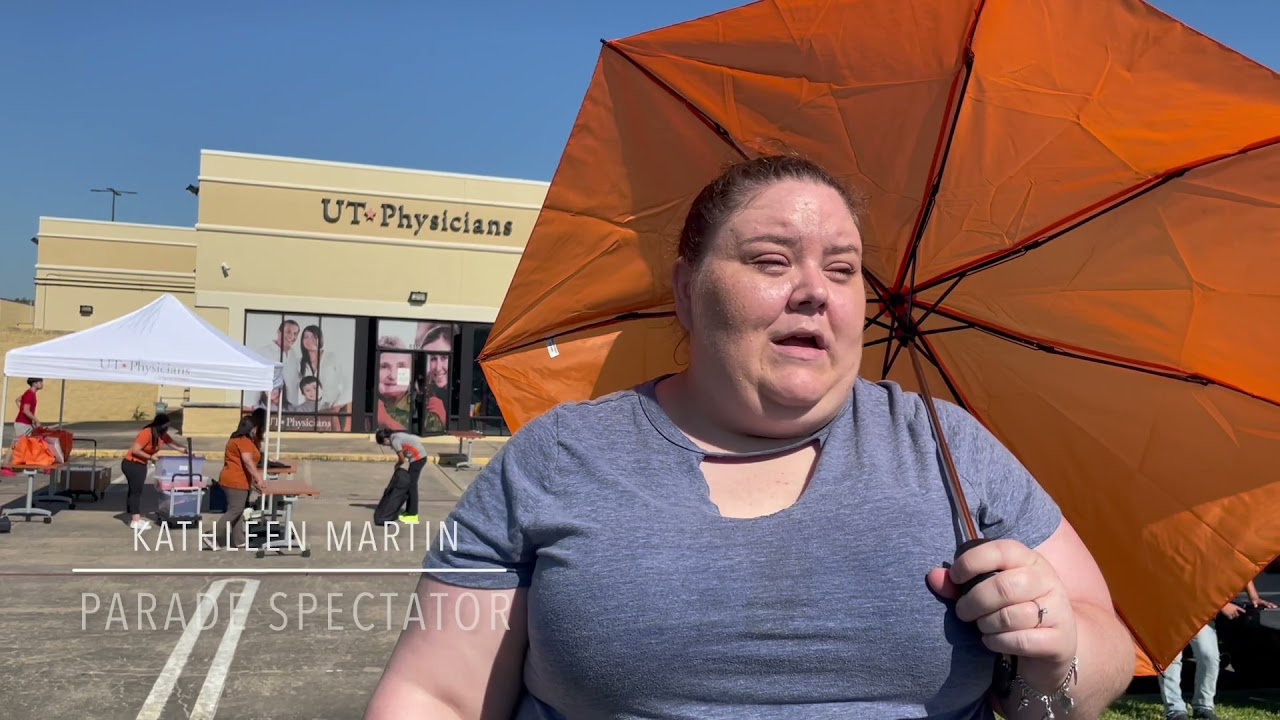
(1073, 217)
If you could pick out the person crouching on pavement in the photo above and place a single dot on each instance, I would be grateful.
(241, 470)
(408, 449)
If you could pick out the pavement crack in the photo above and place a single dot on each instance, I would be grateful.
(180, 695)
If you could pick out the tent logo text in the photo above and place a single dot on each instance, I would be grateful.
(144, 368)
(359, 212)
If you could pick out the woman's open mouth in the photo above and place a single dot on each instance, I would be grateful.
(802, 344)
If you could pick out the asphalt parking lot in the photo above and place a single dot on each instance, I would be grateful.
(157, 644)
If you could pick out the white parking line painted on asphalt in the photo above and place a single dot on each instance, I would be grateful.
(163, 687)
(207, 702)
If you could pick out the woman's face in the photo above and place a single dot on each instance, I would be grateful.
(310, 341)
(776, 308)
(390, 367)
(288, 336)
(438, 370)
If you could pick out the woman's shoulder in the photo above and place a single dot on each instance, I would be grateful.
(595, 426)
(887, 402)
(242, 442)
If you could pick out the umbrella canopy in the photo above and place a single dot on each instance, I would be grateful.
(1074, 214)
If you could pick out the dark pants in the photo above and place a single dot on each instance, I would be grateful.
(415, 470)
(136, 474)
(231, 528)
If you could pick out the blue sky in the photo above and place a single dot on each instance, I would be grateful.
(126, 94)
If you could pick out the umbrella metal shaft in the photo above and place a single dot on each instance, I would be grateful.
(968, 529)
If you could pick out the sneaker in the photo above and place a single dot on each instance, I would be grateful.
(1206, 713)
(409, 519)
(143, 524)
(1176, 716)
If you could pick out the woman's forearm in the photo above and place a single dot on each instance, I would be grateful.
(1106, 667)
(397, 700)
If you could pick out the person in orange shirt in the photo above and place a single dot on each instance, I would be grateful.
(134, 466)
(241, 470)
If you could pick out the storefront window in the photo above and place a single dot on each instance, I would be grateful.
(344, 374)
(414, 382)
(485, 415)
(318, 354)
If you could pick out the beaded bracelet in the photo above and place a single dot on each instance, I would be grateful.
(1061, 696)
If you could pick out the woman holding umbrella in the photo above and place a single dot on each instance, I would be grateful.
(764, 534)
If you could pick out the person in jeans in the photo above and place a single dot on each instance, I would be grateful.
(241, 470)
(1205, 647)
(409, 450)
(1208, 662)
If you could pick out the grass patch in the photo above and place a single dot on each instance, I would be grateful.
(1261, 705)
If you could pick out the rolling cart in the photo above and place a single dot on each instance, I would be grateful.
(180, 480)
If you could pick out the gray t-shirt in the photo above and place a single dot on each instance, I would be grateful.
(644, 601)
(409, 444)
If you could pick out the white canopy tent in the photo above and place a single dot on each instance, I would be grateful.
(163, 343)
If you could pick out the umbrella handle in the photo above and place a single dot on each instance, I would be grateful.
(964, 547)
(1006, 667)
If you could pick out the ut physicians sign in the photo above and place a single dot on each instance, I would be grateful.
(411, 220)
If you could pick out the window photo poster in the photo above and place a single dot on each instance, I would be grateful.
(317, 352)
(413, 379)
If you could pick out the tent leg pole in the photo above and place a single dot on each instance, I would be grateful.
(4, 411)
(266, 450)
(279, 424)
(62, 400)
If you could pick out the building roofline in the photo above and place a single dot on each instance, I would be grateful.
(362, 166)
(87, 221)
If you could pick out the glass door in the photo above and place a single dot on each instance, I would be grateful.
(395, 389)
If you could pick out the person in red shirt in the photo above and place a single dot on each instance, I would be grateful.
(134, 466)
(26, 421)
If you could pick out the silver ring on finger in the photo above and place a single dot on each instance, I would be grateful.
(1041, 612)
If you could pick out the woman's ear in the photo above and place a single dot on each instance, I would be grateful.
(681, 287)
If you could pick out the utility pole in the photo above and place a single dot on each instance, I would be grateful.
(114, 194)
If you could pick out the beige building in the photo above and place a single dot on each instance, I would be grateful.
(375, 286)
(14, 314)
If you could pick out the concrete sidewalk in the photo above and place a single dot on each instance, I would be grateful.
(114, 439)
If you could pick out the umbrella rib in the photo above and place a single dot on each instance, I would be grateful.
(1075, 353)
(484, 356)
(942, 149)
(875, 319)
(887, 365)
(930, 354)
(939, 301)
(927, 350)
(1052, 232)
(706, 118)
(881, 289)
